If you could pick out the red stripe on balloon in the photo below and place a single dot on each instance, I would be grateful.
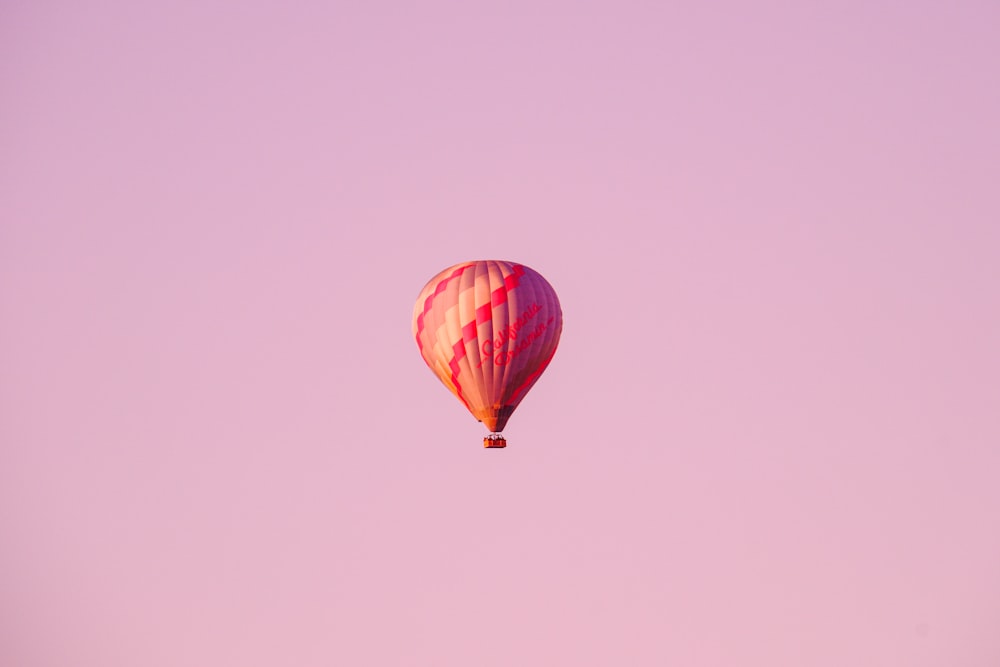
(511, 281)
(429, 301)
(484, 313)
(453, 365)
(469, 332)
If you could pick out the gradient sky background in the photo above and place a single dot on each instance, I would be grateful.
(770, 436)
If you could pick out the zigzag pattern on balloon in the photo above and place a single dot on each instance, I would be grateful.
(488, 329)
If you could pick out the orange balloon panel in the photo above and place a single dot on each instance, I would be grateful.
(488, 329)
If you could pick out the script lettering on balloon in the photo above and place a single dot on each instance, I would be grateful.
(516, 338)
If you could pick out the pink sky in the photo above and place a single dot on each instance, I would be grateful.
(770, 436)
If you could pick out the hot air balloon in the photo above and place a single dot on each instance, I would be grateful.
(488, 330)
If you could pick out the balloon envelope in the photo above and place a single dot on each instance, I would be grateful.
(488, 329)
